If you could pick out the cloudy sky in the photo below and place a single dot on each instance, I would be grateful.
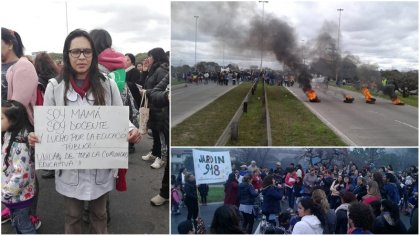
(135, 26)
(382, 33)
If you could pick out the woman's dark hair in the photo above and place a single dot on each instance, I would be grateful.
(18, 121)
(361, 215)
(101, 40)
(45, 68)
(159, 58)
(95, 83)
(347, 197)
(390, 177)
(132, 58)
(226, 220)
(185, 227)
(378, 178)
(268, 180)
(376, 208)
(392, 208)
(12, 37)
(309, 204)
(231, 178)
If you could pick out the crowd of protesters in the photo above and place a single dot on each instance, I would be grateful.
(82, 78)
(320, 199)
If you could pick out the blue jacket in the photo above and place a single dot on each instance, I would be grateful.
(247, 194)
(271, 202)
(392, 192)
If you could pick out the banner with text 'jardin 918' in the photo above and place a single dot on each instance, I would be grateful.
(81, 137)
(211, 167)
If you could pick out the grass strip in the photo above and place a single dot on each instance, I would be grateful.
(292, 124)
(205, 126)
(252, 129)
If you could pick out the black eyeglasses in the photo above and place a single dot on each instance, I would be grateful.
(87, 52)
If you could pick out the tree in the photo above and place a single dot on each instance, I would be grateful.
(140, 57)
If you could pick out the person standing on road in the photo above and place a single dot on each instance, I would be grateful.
(231, 190)
(204, 191)
(247, 195)
(158, 69)
(46, 69)
(309, 182)
(271, 199)
(191, 197)
(18, 176)
(82, 84)
(19, 83)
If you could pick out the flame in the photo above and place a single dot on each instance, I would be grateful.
(396, 101)
(311, 94)
(368, 97)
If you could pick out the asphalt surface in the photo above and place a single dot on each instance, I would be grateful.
(185, 101)
(362, 124)
(131, 211)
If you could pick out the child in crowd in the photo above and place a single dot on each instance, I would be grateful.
(176, 199)
(18, 175)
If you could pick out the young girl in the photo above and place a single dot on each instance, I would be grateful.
(18, 172)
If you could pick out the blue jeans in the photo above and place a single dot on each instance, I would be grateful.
(291, 197)
(21, 221)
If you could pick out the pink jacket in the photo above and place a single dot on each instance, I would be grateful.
(290, 180)
(22, 83)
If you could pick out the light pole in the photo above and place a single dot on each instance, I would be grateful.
(262, 31)
(303, 51)
(195, 57)
(338, 43)
(67, 21)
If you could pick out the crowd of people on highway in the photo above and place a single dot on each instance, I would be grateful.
(85, 76)
(319, 199)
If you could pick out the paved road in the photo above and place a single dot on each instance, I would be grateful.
(361, 124)
(186, 101)
(131, 212)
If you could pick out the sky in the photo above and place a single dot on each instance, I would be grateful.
(382, 33)
(135, 26)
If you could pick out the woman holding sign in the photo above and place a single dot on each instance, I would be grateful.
(81, 84)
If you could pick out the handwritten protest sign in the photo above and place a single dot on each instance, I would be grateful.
(88, 137)
(211, 167)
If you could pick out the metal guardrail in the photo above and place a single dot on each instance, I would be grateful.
(267, 118)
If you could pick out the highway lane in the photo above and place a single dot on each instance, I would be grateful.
(362, 124)
(185, 101)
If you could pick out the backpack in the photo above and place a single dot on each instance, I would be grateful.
(119, 77)
(39, 95)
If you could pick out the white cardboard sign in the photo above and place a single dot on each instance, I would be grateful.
(211, 167)
(81, 137)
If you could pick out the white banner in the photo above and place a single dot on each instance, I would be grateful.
(211, 167)
(81, 137)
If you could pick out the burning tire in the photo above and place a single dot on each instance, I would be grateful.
(348, 100)
(315, 100)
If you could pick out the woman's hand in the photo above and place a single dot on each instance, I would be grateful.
(32, 139)
(134, 136)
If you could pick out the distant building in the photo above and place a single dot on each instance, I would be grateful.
(178, 157)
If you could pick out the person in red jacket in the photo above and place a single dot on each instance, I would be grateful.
(256, 180)
(231, 190)
(290, 181)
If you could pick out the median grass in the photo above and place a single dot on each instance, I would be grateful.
(252, 126)
(292, 124)
(205, 126)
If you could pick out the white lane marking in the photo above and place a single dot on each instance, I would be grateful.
(407, 124)
(326, 122)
